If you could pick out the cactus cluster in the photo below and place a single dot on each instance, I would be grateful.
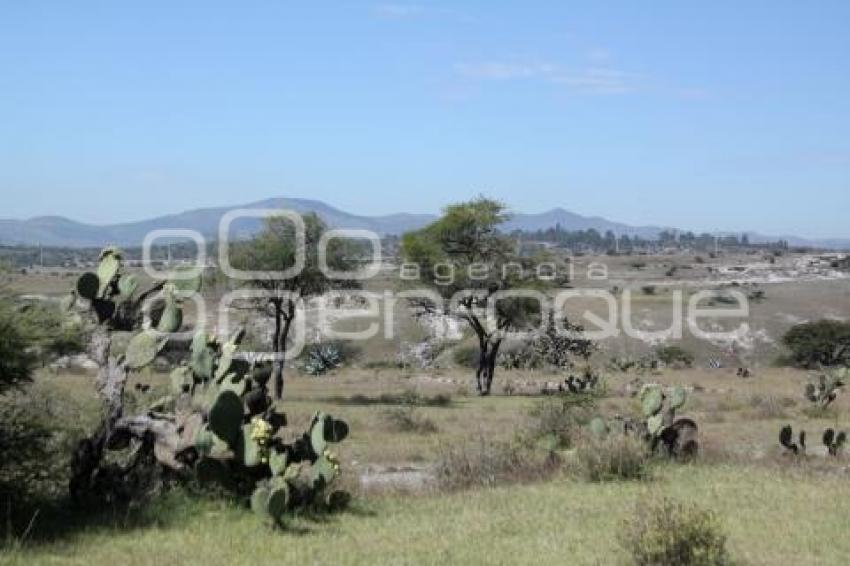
(833, 441)
(659, 407)
(219, 425)
(659, 425)
(585, 382)
(238, 437)
(824, 389)
(113, 295)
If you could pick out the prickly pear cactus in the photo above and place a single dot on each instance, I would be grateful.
(824, 389)
(219, 425)
(112, 295)
(834, 441)
(786, 439)
(678, 437)
(240, 436)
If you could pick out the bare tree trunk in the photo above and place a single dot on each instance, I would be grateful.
(482, 365)
(490, 366)
(283, 322)
(487, 354)
(111, 379)
(277, 364)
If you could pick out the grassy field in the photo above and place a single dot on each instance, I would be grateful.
(774, 510)
(770, 518)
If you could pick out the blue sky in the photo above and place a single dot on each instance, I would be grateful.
(702, 115)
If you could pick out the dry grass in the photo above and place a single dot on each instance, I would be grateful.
(408, 419)
(615, 457)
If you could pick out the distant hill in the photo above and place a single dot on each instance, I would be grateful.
(60, 231)
(572, 221)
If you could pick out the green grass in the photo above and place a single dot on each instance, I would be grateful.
(770, 518)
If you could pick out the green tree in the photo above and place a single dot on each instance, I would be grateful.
(466, 260)
(275, 248)
(819, 343)
(17, 359)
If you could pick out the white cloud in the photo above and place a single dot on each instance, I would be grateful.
(590, 80)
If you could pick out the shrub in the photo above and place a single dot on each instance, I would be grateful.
(648, 289)
(519, 355)
(558, 421)
(674, 356)
(486, 462)
(615, 457)
(16, 357)
(51, 331)
(37, 434)
(407, 419)
(823, 342)
(669, 533)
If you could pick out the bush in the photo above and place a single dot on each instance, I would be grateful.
(37, 434)
(485, 462)
(554, 347)
(648, 289)
(17, 359)
(674, 356)
(615, 457)
(408, 419)
(51, 331)
(558, 421)
(519, 355)
(668, 533)
(823, 342)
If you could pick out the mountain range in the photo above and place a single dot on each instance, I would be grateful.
(60, 231)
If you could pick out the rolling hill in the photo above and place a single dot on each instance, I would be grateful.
(60, 231)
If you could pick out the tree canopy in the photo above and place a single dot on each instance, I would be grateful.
(475, 268)
(276, 249)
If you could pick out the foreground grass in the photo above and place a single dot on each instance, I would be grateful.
(770, 518)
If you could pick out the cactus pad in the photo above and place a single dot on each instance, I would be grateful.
(677, 397)
(142, 349)
(127, 285)
(225, 420)
(652, 399)
(88, 285)
(107, 269)
(654, 424)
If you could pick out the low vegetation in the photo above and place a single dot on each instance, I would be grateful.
(671, 533)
